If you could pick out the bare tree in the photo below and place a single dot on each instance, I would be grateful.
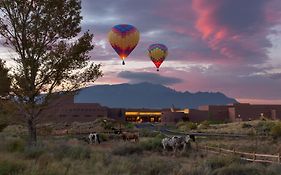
(52, 54)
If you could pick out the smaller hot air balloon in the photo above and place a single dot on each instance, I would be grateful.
(157, 54)
(123, 38)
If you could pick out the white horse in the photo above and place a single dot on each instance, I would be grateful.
(94, 138)
(177, 142)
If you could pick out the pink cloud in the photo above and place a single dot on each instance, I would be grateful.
(236, 29)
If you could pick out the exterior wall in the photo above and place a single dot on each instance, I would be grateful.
(239, 111)
(64, 110)
(203, 108)
(172, 117)
(116, 113)
(253, 112)
(231, 114)
(197, 115)
(278, 114)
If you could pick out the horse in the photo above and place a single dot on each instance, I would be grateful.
(177, 142)
(94, 138)
(127, 136)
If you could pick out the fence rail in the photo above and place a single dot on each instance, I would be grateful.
(253, 157)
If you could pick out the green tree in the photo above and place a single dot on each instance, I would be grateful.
(52, 54)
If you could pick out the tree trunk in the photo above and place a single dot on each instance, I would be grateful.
(32, 132)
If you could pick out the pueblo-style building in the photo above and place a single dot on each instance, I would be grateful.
(65, 110)
(235, 112)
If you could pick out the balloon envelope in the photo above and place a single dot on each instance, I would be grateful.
(123, 39)
(157, 54)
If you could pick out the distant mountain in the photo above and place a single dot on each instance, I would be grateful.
(147, 95)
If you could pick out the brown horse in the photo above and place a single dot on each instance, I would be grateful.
(128, 136)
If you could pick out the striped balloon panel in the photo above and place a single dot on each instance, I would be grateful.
(123, 39)
(157, 53)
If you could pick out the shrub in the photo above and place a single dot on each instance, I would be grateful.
(204, 125)
(103, 137)
(10, 168)
(129, 126)
(127, 149)
(192, 125)
(181, 124)
(264, 127)
(246, 125)
(276, 130)
(152, 144)
(147, 133)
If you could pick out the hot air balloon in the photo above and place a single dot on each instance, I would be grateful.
(123, 38)
(157, 54)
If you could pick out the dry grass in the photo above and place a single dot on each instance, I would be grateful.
(64, 155)
(70, 156)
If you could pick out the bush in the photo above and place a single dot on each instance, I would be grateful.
(127, 149)
(246, 125)
(204, 125)
(276, 130)
(264, 127)
(152, 144)
(147, 133)
(10, 168)
(192, 125)
(103, 137)
(129, 126)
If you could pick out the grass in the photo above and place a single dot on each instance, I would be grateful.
(67, 155)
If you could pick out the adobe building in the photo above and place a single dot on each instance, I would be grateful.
(143, 115)
(235, 112)
(246, 112)
(64, 109)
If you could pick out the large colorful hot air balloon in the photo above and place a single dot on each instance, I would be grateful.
(123, 38)
(157, 54)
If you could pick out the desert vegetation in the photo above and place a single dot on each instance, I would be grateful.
(67, 154)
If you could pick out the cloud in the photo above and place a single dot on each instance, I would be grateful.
(139, 77)
(275, 76)
(237, 29)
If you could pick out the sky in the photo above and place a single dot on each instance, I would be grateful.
(230, 46)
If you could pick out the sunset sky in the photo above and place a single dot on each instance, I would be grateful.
(231, 46)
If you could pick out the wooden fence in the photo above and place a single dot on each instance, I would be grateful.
(253, 157)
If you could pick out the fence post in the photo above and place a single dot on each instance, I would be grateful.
(279, 158)
(254, 156)
(234, 151)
